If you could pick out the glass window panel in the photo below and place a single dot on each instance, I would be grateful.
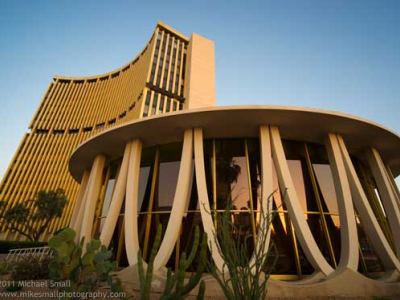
(147, 104)
(242, 233)
(106, 202)
(315, 224)
(298, 181)
(170, 156)
(192, 196)
(107, 197)
(374, 197)
(378, 197)
(161, 105)
(143, 182)
(145, 111)
(168, 178)
(323, 174)
(283, 252)
(277, 194)
(189, 223)
(306, 267)
(371, 259)
(168, 108)
(148, 94)
(161, 218)
(161, 60)
(178, 69)
(208, 165)
(253, 147)
(147, 161)
(116, 240)
(232, 181)
(278, 204)
(240, 188)
(154, 104)
(333, 224)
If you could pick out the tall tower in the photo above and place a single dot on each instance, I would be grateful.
(170, 70)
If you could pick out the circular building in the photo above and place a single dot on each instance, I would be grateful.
(327, 177)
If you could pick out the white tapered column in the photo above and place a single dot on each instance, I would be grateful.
(79, 202)
(267, 190)
(116, 200)
(291, 200)
(131, 203)
(204, 203)
(349, 254)
(369, 222)
(393, 184)
(91, 195)
(389, 198)
(180, 202)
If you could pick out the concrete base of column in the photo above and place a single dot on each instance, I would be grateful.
(346, 284)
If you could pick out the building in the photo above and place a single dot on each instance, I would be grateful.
(168, 155)
(76, 108)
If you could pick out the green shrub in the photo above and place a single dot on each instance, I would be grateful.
(6, 246)
(30, 267)
(87, 272)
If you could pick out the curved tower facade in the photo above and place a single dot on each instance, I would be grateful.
(76, 108)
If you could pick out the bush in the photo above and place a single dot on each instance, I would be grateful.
(87, 271)
(6, 246)
(30, 267)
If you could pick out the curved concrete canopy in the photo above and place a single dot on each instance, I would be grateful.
(295, 123)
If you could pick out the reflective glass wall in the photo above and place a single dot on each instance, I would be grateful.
(233, 177)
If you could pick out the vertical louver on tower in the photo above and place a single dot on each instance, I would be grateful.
(75, 108)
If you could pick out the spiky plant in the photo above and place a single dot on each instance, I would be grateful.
(175, 286)
(243, 276)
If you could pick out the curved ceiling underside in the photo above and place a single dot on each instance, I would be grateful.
(237, 122)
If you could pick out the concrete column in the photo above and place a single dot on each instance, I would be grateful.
(131, 203)
(204, 203)
(116, 200)
(180, 202)
(291, 200)
(79, 200)
(348, 229)
(370, 224)
(267, 191)
(395, 188)
(91, 195)
(79, 220)
(389, 198)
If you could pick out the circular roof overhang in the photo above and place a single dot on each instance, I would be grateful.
(300, 124)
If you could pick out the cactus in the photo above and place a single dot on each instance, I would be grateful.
(240, 278)
(84, 273)
(174, 286)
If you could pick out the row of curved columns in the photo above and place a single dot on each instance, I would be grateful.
(347, 186)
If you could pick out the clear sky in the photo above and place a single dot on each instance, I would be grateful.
(338, 55)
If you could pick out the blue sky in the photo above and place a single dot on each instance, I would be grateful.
(338, 55)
